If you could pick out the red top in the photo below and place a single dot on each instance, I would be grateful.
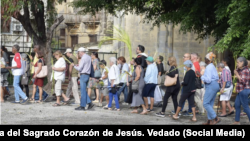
(243, 83)
(17, 59)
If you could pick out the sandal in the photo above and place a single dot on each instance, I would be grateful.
(39, 101)
(56, 105)
(32, 100)
(175, 118)
(117, 109)
(193, 120)
(207, 123)
(144, 113)
(66, 102)
(134, 111)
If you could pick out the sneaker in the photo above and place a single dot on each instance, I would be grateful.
(105, 107)
(45, 98)
(25, 101)
(90, 105)
(15, 102)
(187, 114)
(160, 114)
(174, 113)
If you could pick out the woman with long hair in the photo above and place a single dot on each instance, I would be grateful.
(171, 90)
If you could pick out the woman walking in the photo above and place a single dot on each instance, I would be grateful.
(242, 74)
(171, 90)
(104, 90)
(210, 79)
(38, 81)
(114, 80)
(59, 76)
(93, 82)
(138, 75)
(188, 90)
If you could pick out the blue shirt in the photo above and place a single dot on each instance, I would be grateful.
(210, 74)
(151, 74)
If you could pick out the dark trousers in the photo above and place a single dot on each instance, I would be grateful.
(174, 95)
(189, 96)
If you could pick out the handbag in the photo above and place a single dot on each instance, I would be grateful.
(3, 70)
(135, 85)
(24, 80)
(198, 83)
(43, 73)
(170, 81)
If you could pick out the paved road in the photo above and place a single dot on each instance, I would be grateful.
(35, 113)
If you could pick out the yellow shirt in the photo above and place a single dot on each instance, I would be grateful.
(34, 62)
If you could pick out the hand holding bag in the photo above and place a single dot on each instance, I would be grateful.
(169, 81)
(24, 80)
(43, 73)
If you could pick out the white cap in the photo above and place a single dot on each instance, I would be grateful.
(68, 50)
(81, 49)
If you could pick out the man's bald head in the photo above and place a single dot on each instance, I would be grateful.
(187, 56)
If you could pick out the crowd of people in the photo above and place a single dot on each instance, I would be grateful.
(137, 80)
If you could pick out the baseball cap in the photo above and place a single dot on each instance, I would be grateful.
(150, 59)
(188, 63)
(81, 49)
(68, 50)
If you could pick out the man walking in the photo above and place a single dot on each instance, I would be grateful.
(85, 69)
(151, 82)
(73, 74)
(17, 71)
(197, 95)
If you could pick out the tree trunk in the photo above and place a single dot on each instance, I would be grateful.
(48, 53)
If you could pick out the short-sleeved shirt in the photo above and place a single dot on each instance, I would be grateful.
(59, 75)
(243, 83)
(160, 68)
(74, 60)
(105, 81)
(114, 74)
(123, 74)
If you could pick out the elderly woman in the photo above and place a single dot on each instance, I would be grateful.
(242, 74)
(59, 76)
(226, 89)
(17, 71)
(210, 79)
(114, 80)
(188, 90)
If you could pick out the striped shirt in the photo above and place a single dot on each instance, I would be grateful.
(225, 76)
(243, 83)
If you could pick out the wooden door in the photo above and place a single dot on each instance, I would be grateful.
(74, 40)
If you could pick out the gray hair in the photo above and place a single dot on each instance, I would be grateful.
(202, 64)
(112, 59)
(195, 54)
(16, 47)
(243, 59)
(220, 65)
(24, 56)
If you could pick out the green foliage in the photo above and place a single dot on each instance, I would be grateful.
(226, 20)
(119, 35)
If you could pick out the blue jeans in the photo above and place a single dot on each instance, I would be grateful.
(189, 107)
(242, 99)
(17, 90)
(209, 98)
(44, 95)
(84, 79)
(111, 99)
(123, 89)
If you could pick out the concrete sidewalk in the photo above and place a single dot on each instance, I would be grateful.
(35, 113)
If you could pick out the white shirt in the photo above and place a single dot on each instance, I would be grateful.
(114, 73)
(123, 76)
(227, 68)
(105, 81)
(59, 75)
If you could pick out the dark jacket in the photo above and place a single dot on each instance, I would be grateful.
(189, 81)
(171, 73)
